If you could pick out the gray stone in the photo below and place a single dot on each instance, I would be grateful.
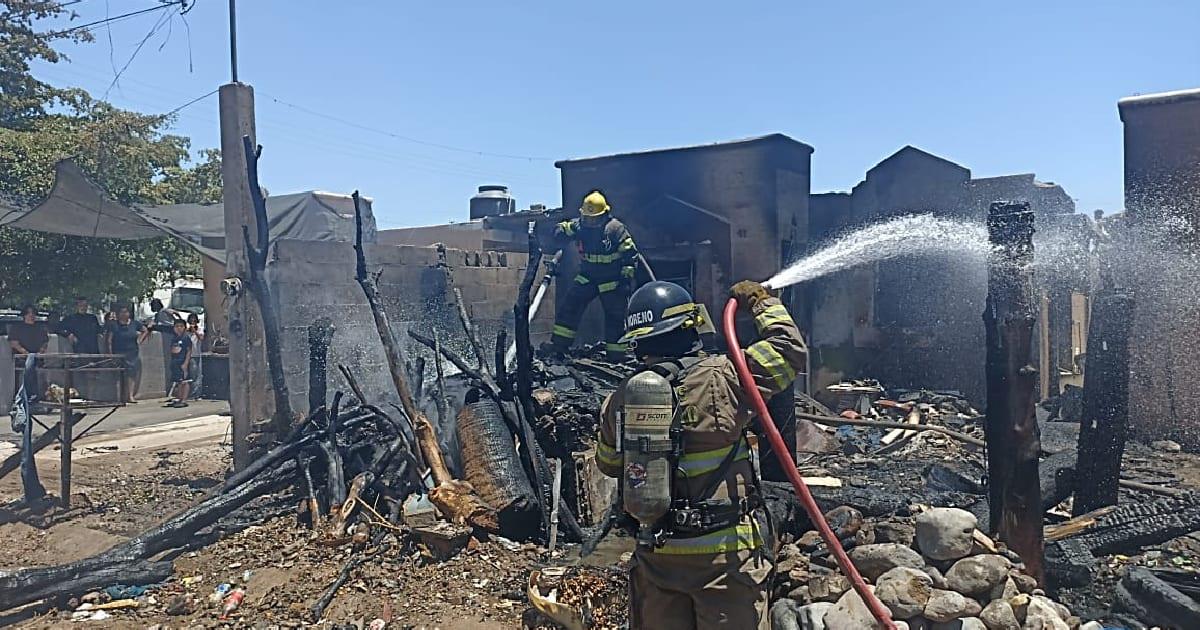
(939, 580)
(895, 532)
(978, 574)
(1025, 583)
(785, 615)
(875, 560)
(1092, 625)
(788, 614)
(999, 615)
(1166, 446)
(1041, 615)
(851, 613)
(827, 588)
(812, 616)
(905, 591)
(1064, 613)
(945, 533)
(1006, 590)
(944, 606)
(966, 623)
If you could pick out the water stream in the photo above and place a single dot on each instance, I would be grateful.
(921, 234)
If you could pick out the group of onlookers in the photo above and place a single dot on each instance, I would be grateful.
(122, 335)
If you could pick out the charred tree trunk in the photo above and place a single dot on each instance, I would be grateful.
(1013, 441)
(256, 254)
(320, 334)
(425, 433)
(1105, 421)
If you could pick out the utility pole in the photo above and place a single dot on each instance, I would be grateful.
(248, 385)
(1013, 442)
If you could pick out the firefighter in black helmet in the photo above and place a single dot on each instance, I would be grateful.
(701, 563)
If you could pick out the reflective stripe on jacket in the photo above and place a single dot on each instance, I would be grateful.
(603, 249)
(715, 413)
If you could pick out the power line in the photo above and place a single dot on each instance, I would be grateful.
(114, 18)
(154, 29)
(397, 136)
(191, 102)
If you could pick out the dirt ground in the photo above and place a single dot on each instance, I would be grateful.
(283, 569)
(125, 483)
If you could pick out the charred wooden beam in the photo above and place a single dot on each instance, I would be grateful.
(524, 390)
(320, 334)
(1012, 433)
(123, 563)
(425, 433)
(1105, 422)
(256, 254)
(440, 373)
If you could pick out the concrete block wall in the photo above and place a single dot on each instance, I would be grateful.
(310, 280)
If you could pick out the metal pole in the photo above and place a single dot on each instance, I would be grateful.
(233, 40)
(65, 437)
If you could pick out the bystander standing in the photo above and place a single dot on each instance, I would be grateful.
(181, 357)
(196, 369)
(82, 328)
(123, 336)
(28, 336)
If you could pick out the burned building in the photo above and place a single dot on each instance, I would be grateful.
(1162, 216)
(705, 216)
(915, 320)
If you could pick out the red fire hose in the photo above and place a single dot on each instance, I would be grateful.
(878, 610)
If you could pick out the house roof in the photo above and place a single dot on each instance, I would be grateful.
(909, 150)
(1160, 98)
(774, 137)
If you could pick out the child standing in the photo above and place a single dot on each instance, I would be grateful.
(181, 357)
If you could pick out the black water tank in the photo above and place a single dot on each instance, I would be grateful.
(491, 201)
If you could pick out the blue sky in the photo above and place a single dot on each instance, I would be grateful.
(439, 94)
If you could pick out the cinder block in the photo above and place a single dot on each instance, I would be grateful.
(385, 255)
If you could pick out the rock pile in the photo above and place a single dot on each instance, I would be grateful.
(940, 575)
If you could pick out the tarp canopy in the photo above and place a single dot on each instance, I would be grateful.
(79, 207)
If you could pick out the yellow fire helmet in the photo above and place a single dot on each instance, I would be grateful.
(594, 205)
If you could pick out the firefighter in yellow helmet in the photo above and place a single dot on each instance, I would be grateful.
(607, 265)
(674, 434)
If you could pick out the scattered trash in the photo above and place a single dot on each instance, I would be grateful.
(232, 602)
(122, 591)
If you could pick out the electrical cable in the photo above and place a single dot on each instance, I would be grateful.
(779, 447)
(115, 18)
(405, 138)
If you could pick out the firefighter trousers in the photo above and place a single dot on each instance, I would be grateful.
(726, 591)
(614, 296)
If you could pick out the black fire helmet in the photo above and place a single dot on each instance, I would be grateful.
(658, 308)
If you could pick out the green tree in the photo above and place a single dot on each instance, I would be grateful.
(23, 97)
(130, 155)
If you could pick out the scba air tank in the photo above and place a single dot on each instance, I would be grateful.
(647, 450)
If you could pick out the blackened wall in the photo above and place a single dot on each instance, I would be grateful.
(912, 321)
(1162, 204)
(749, 199)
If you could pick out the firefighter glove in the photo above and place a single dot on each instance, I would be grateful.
(627, 272)
(749, 294)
